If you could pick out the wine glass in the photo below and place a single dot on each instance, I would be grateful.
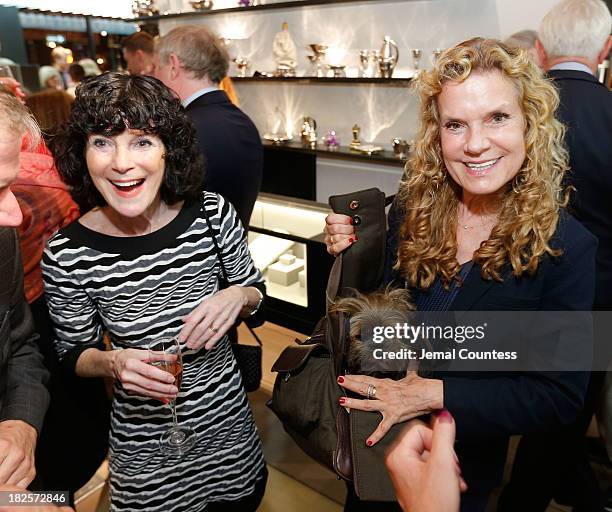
(165, 353)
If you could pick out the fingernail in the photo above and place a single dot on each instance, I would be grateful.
(340, 380)
(356, 238)
(445, 416)
(369, 442)
(351, 240)
(165, 401)
(350, 220)
(342, 400)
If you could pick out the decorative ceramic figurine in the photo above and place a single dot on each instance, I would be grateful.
(285, 52)
(331, 140)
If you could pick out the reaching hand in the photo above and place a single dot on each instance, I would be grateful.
(424, 467)
(339, 233)
(17, 445)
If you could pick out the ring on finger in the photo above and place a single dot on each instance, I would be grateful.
(371, 392)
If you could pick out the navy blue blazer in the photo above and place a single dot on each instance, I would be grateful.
(232, 151)
(586, 110)
(487, 407)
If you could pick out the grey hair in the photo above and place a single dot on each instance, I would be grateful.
(18, 118)
(46, 72)
(524, 39)
(577, 28)
(200, 51)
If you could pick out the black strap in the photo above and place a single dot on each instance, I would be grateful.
(225, 281)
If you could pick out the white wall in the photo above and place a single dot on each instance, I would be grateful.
(515, 15)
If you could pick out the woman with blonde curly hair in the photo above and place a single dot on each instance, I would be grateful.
(479, 224)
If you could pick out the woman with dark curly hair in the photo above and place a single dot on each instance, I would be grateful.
(479, 225)
(142, 264)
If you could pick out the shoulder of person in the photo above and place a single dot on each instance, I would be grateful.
(571, 234)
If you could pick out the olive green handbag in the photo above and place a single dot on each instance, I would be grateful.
(306, 393)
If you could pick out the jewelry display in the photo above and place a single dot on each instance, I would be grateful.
(243, 64)
(400, 148)
(202, 5)
(331, 140)
(318, 67)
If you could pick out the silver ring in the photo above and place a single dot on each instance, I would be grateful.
(213, 330)
(371, 392)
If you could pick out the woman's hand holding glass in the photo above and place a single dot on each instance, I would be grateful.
(397, 400)
(211, 320)
(339, 233)
(132, 367)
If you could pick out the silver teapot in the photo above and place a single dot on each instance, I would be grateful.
(389, 55)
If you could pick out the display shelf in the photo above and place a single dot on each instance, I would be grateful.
(286, 242)
(256, 8)
(395, 82)
(342, 152)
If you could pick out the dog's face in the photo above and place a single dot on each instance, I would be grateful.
(371, 314)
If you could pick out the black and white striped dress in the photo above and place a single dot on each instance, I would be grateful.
(138, 289)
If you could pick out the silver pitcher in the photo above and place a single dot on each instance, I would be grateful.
(389, 55)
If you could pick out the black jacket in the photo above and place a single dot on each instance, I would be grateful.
(232, 150)
(488, 408)
(23, 395)
(586, 109)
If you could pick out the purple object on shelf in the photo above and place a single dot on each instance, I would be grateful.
(331, 140)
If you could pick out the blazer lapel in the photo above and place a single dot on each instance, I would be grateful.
(474, 288)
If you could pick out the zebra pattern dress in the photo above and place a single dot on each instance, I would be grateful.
(138, 289)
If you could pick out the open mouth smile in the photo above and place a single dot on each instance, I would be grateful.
(127, 186)
(480, 168)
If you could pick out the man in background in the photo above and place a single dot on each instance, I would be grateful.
(138, 51)
(192, 61)
(61, 58)
(574, 37)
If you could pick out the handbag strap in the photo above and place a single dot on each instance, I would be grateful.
(225, 281)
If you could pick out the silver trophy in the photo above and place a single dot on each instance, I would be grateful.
(389, 55)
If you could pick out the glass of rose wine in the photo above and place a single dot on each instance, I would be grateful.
(165, 354)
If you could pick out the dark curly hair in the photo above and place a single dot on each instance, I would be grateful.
(107, 105)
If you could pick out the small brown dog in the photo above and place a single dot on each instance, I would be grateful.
(386, 308)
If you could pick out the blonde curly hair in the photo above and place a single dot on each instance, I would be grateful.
(530, 205)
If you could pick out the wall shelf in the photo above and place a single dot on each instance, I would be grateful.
(256, 8)
(394, 82)
(343, 153)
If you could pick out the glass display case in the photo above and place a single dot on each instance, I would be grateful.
(287, 245)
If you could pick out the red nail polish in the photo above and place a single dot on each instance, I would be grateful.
(368, 442)
(356, 238)
(351, 240)
(342, 400)
(350, 220)
(340, 380)
(445, 416)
